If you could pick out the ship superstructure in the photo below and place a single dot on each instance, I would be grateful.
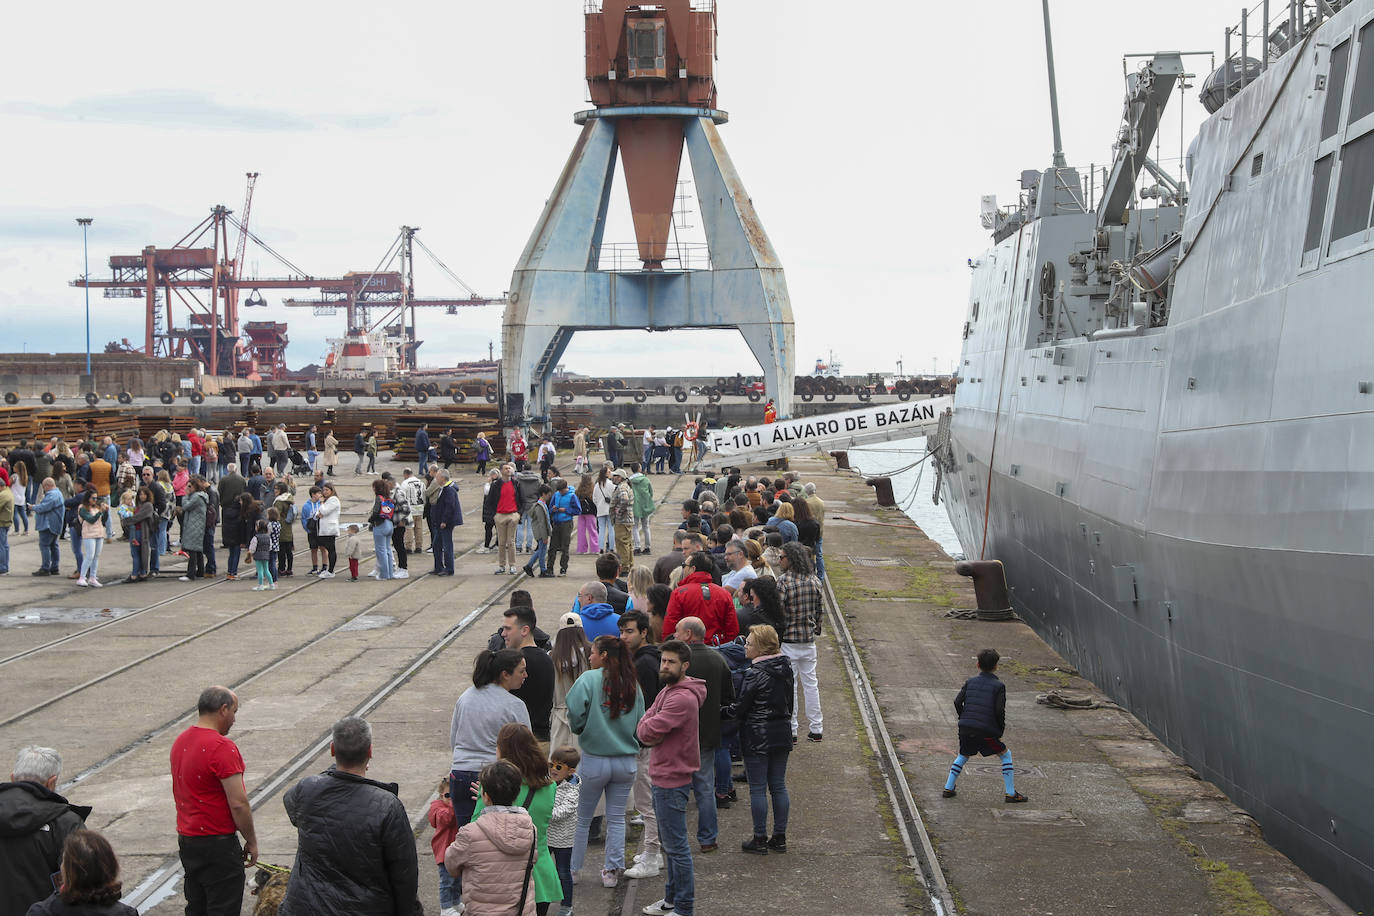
(1164, 426)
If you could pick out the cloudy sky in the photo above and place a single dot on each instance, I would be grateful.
(865, 135)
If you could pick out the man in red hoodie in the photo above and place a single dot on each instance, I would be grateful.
(698, 596)
(670, 728)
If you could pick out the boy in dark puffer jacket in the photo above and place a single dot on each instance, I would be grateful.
(982, 708)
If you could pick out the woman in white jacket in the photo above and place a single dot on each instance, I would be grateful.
(328, 515)
(602, 491)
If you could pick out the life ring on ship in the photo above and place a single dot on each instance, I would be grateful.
(689, 433)
(236, 397)
(197, 397)
(269, 397)
(345, 397)
(166, 397)
(384, 397)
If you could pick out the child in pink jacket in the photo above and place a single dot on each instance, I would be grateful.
(492, 858)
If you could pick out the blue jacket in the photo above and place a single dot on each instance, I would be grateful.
(257, 444)
(982, 706)
(111, 454)
(447, 509)
(50, 510)
(564, 507)
(599, 620)
(422, 443)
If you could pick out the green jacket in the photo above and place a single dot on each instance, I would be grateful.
(6, 506)
(644, 494)
(596, 731)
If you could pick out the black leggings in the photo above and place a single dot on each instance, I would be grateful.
(285, 557)
(327, 545)
(488, 533)
(398, 540)
(195, 564)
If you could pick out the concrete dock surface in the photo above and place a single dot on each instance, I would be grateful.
(1115, 823)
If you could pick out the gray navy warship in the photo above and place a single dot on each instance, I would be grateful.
(1164, 424)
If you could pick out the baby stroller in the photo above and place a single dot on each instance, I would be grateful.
(299, 466)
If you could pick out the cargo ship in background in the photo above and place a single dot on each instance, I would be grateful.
(1164, 425)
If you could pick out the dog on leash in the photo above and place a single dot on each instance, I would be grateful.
(270, 888)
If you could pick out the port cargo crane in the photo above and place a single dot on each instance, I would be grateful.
(389, 293)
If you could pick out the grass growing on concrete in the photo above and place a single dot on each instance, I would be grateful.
(1041, 677)
(923, 584)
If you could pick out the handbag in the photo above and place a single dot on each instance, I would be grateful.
(529, 865)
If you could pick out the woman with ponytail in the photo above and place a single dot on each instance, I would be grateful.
(604, 707)
(478, 717)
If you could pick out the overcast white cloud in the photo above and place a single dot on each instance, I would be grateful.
(865, 134)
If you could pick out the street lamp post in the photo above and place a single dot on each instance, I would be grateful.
(85, 223)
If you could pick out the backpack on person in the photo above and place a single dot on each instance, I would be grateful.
(387, 510)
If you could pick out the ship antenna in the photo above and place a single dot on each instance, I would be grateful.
(1059, 162)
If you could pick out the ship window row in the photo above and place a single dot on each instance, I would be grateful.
(1352, 166)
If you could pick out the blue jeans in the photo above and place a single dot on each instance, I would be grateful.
(704, 788)
(541, 555)
(562, 861)
(136, 555)
(208, 548)
(768, 776)
(75, 538)
(820, 560)
(442, 542)
(234, 553)
(21, 514)
(615, 776)
(460, 791)
(272, 565)
(161, 537)
(381, 543)
(723, 781)
(670, 807)
(447, 897)
(48, 551)
(4, 550)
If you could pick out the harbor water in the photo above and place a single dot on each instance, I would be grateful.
(912, 486)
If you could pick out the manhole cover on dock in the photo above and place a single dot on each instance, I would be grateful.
(1047, 817)
(877, 561)
(36, 616)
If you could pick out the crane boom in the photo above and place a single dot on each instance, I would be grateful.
(243, 224)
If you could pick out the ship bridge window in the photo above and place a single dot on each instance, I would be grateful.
(1362, 96)
(1335, 89)
(1316, 213)
(1355, 193)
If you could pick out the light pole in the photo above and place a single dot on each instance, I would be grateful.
(85, 223)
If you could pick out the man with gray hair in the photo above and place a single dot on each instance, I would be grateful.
(355, 851)
(34, 823)
(231, 485)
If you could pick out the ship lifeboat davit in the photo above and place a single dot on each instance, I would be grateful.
(1152, 273)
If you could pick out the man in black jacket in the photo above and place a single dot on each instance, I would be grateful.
(982, 708)
(638, 638)
(355, 849)
(34, 823)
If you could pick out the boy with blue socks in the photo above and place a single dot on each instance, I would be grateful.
(982, 708)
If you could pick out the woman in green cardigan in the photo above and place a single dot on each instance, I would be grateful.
(516, 744)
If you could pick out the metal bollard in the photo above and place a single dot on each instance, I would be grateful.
(989, 587)
(841, 460)
(882, 489)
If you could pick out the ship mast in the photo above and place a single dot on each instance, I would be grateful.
(1059, 161)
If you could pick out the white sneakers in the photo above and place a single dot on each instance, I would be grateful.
(658, 908)
(81, 582)
(325, 574)
(645, 867)
(401, 574)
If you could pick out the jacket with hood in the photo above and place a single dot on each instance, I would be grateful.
(599, 620)
(48, 512)
(356, 849)
(670, 728)
(490, 855)
(698, 596)
(764, 707)
(54, 906)
(540, 525)
(643, 489)
(448, 509)
(34, 823)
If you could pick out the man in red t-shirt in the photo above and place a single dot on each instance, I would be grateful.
(212, 808)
